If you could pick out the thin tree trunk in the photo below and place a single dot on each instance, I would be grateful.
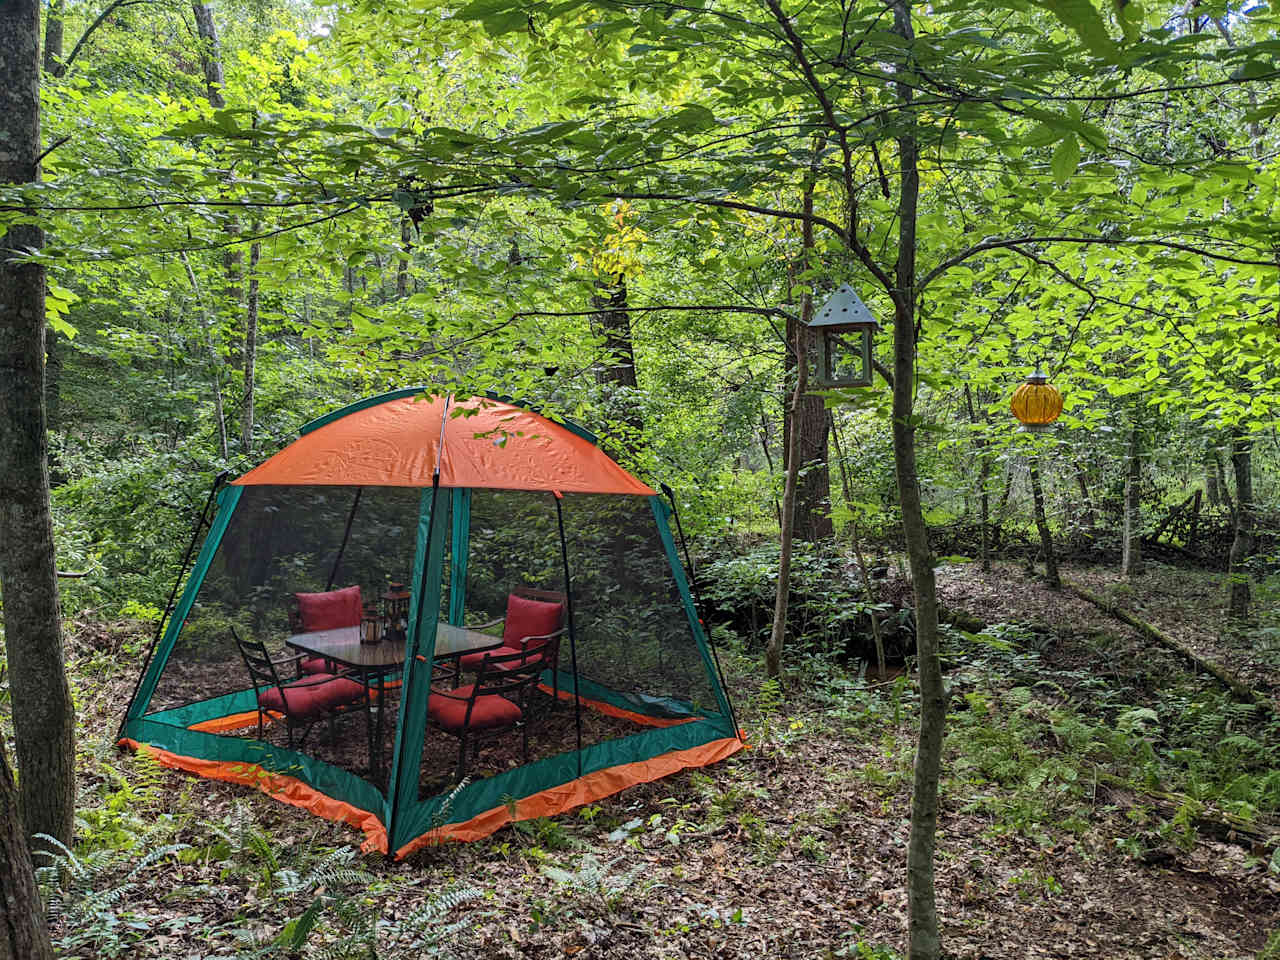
(402, 262)
(1042, 525)
(250, 356)
(856, 540)
(1088, 516)
(210, 55)
(43, 713)
(1131, 548)
(1211, 481)
(216, 365)
(773, 652)
(1242, 543)
(768, 459)
(23, 932)
(984, 498)
(53, 344)
(923, 937)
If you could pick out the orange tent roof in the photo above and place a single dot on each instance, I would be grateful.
(478, 442)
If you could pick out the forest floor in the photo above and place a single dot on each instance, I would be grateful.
(1086, 779)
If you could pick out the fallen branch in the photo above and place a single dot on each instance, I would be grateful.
(1218, 824)
(1237, 686)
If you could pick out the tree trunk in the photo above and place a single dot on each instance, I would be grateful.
(53, 346)
(984, 497)
(773, 651)
(1242, 542)
(1211, 468)
(210, 55)
(402, 262)
(813, 487)
(23, 933)
(1131, 549)
(923, 937)
(1088, 515)
(250, 356)
(1042, 525)
(43, 714)
(618, 371)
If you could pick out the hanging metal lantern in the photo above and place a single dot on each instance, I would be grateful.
(844, 347)
(1036, 403)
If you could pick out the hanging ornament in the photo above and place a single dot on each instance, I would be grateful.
(1036, 403)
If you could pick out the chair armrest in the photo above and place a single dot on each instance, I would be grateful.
(524, 641)
(297, 657)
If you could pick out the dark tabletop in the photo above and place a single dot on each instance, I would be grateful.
(342, 645)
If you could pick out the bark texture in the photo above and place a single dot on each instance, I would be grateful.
(1131, 548)
(923, 937)
(618, 370)
(1242, 543)
(43, 715)
(809, 419)
(23, 933)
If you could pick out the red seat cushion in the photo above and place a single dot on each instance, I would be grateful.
(314, 665)
(335, 608)
(490, 710)
(530, 618)
(312, 697)
(471, 661)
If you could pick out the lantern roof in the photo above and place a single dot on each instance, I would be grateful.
(844, 308)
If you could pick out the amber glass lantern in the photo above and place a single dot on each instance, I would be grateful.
(1036, 403)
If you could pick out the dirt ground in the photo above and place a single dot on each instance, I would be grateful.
(794, 848)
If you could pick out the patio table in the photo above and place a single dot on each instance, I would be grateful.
(373, 661)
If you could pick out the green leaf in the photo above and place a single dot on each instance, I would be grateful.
(1084, 20)
(1066, 157)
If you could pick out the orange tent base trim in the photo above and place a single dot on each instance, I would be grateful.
(285, 789)
(576, 793)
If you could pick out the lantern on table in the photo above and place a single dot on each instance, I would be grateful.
(371, 625)
(395, 608)
(845, 327)
(1036, 403)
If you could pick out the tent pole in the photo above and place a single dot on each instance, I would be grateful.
(346, 535)
(697, 599)
(183, 568)
(573, 645)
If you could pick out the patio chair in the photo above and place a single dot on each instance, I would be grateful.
(320, 696)
(324, 611)
(534, 618)
(497, 702)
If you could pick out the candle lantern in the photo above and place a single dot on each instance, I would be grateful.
(371, 625)
(395, 606)
(845, 327)
(1036, 403)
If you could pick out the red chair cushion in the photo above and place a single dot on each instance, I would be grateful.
(530, 618)
(335, 608)
(490, 710)
(314, 665)
(316, 695)
(471, 661)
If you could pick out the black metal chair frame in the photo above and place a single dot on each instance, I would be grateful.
(511, 676)
(264, 676)
(531, 593)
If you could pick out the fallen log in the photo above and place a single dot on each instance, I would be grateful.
(1238, 687)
